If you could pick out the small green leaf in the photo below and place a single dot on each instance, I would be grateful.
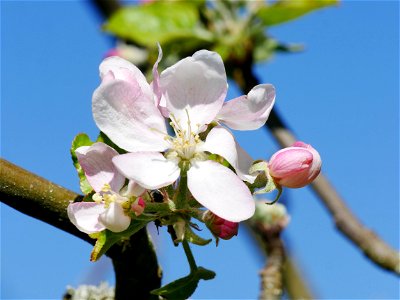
(286, 10)
(162, 22)
(264, 182)
(266, 48)
(205, 274)
(193, 238)
(82, 139)
(184, 287)
(107, 238)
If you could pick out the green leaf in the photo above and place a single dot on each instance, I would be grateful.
(264, 183)
(184, 287)
(286, 10)
(82, 139)
(160, 22)
(107, 238)
(193, 238)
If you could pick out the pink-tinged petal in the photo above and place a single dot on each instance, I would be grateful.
(128, 117)
(156, 77)
(195, 86)
(96, 162)
(249, 112)
(122, 69)
(220, 141)
(85, 216)
(295, 166)
(149, 169)
(220, 190)
(114, 218)
(289, 161)
(155, 85)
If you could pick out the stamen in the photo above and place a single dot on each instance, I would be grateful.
(167, 137)
(97, 198)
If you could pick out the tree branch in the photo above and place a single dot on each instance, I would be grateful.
(106, 7)
(135, 262)
(372, 246)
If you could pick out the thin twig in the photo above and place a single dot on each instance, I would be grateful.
(293, 281)
(272, 273)
(135, 262)
(373, 247)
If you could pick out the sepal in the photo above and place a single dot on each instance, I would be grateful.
(82, 139)
(107, 238)
(193, 238)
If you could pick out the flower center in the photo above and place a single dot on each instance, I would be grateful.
(184, 144)
(108, 196)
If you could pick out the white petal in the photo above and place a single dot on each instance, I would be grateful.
(132, 189)
(96, 162)
(156, 77)
(249, 112)
(149, 169)
(196, 86)
(220, 141)
(85, 216)
(155, 85)
(122, 69)
(128, 117)
(114, 218)
(220, 190)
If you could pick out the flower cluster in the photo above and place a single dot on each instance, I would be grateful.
(173, 138)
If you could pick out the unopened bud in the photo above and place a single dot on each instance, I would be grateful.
(138, 206)
(220, 227)
(271, 216)
(295, 166)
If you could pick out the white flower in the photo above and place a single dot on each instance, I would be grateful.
(106, 211)
(191, 93)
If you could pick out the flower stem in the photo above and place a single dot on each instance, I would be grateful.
(181, 194)
(189, 255)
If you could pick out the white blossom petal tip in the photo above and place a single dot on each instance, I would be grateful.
(220, 141)
(195, 87)
(249, 112)
(96, 162)
(85, 216)
(220, 190)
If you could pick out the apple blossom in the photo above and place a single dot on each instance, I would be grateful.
(107, 212)
(191, 93)
(295, 166)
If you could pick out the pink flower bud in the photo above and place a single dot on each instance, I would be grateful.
(295, 166)
(220, 227)
(138, 206)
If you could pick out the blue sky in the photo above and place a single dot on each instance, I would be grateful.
(340, 95)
